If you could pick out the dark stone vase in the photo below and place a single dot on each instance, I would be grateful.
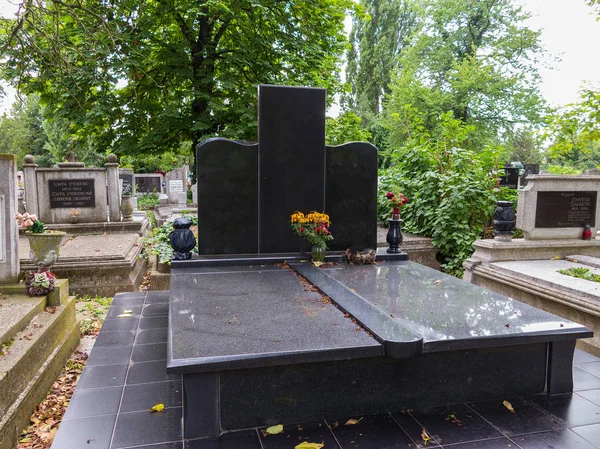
(394, 235)
(504, 221)
(182, 239)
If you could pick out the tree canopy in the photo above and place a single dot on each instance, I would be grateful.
(475, 59)
(139, 77)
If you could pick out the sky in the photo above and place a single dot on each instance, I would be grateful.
(570, 32)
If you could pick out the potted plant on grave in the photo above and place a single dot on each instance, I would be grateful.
(127, 203)
(313, 227)
(44, 243)
(394, 235)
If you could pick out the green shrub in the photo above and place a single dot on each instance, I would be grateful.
(148, 200)
(451, 196)
(157, 242)
(563, 170)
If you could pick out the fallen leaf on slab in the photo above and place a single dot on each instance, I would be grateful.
(124, 315)
(274, 430)
(307, 445)
(126, 311)
(509, 406)
(316, 263)
(425, 436)
(158, 408)
(437, 282)
(556, 258)
(352, 422)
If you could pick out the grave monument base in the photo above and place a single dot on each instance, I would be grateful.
(491, 250)
(258, 345)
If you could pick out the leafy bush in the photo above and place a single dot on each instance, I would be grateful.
(157, 243)
(451, 197)
(148, 200)
(563, 170)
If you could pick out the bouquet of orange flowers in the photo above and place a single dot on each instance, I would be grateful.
(313, 227)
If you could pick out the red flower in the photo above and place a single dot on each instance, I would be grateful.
(301, 229)
(390, 195)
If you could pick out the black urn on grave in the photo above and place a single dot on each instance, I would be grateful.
(182, 239)
(504, 221)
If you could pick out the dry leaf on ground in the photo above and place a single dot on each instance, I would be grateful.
(307, 445)
(509, 406)
(425, 436)
(273, 430)
(157, 408)
(352, 422)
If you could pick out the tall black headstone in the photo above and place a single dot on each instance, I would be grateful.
(291, 142)
(246, 192)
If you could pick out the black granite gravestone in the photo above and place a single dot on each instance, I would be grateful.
(248, 191)
(260, 342)
(510, 178)
(227, 173)
(147, 184)
(351, 195)
(71, 193)
(291, 137)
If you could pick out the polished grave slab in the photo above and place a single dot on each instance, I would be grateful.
(444, 311)
(260, 347)
(247, 316)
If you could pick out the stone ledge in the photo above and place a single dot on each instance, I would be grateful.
(490, 250)
(560, 300)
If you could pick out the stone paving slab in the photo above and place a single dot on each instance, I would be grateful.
(101, 246)
(15, 312)
(545, 273)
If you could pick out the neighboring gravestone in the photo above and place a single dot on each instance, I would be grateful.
(148, 183)
(195, 193)
(530, 169)
(63, 192)
(510, 178)
(249, 206)
(126, 176)
(176, 181)
(558, 207)
(9, 243)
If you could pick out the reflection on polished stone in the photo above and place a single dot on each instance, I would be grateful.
(441, 307)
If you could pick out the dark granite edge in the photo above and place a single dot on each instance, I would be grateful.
(270, 259)
(223, 139)
(355, 305)
(264, 359)
(507, 340)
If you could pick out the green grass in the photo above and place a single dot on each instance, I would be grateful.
(581, 273)
(91, 312)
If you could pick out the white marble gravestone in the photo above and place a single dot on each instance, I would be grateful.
(9, 243)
